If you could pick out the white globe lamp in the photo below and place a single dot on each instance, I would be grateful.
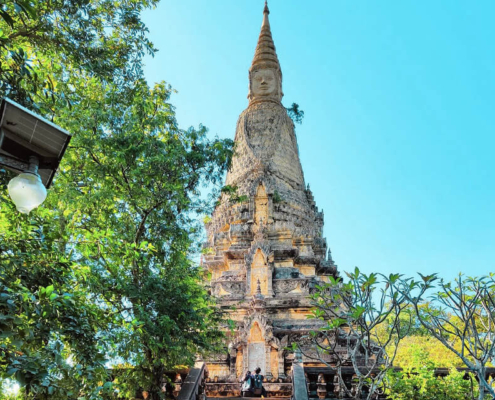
(32, 147)
(26, 190)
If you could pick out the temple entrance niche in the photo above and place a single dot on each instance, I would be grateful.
(256, 349)
(261, 206)
(259, 271)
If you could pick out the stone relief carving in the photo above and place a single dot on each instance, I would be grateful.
(263, 82)
(285, 286)
(257, 359)
(234, 287)
(290, 285)
(232, 276)
(259, 273)
(262, 245)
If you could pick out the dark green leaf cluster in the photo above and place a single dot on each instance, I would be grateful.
(49, 325)
(233, 195)
(295, 113)
(115, 244)
(105, 270)
(102, 38)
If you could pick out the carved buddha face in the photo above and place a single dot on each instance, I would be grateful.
(264, 82)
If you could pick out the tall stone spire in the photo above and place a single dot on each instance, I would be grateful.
(266, 253)
(265, 68)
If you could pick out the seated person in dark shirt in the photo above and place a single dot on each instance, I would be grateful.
(258, 388)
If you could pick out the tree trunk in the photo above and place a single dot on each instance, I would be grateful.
(482, 391)
(156, 390)
(485, 388)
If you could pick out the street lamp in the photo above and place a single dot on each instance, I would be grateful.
(32, 147)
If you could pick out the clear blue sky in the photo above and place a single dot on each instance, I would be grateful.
(398, 138)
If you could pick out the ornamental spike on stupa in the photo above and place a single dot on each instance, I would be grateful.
(265, 54)
(265, 57)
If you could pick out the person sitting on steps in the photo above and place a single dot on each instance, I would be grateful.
(247, 385)
(258, 383)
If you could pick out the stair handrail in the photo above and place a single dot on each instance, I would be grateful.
(299, 384)
(193, 387)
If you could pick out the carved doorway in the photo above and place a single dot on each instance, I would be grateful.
(256, 350)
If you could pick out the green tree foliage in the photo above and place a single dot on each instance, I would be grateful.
(433, 348)
(102, 274)
(417, 336)
(134, 213)
(384, 321)
(418, 382)
(46, 316)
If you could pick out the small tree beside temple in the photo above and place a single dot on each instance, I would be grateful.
(368, 317)
(351, 313)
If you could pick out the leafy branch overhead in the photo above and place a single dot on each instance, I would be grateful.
(40, 40)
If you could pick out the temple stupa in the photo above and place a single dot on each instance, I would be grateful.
(266, 254)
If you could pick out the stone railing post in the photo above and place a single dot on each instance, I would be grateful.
(299, 384)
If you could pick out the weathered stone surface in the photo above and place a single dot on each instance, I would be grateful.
(267, 253)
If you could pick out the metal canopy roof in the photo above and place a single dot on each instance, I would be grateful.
(24, 134)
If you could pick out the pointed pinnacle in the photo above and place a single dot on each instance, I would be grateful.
(265, 55)
(266, 10)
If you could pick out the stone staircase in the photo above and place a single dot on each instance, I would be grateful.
(233, 390)
(247, 398)
(195, 387)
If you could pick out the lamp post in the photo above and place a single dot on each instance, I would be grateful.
(32, 147)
